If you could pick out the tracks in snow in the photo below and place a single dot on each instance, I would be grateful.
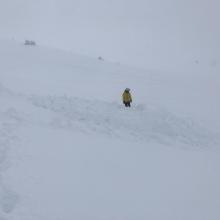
(9, 121)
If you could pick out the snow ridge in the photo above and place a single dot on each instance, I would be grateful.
(139, 123)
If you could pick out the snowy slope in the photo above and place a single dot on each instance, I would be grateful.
(69, 149)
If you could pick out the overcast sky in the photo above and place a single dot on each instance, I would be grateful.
(147, 33)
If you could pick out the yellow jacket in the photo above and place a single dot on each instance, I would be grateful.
(126, 97)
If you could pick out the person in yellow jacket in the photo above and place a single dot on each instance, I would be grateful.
(127, 98)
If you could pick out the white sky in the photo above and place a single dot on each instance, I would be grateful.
(147, 33)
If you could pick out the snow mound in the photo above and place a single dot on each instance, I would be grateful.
(139, 123)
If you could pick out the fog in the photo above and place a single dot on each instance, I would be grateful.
(156, 34)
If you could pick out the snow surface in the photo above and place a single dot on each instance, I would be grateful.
(70, 150)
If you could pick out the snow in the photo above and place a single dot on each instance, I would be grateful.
(70, 150)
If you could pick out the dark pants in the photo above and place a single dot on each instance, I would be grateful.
(127, 104)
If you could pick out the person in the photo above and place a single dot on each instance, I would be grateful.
(127, 98)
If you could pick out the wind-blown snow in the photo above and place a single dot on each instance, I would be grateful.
(70, 150)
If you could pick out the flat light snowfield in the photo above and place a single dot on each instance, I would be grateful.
(70, 150)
